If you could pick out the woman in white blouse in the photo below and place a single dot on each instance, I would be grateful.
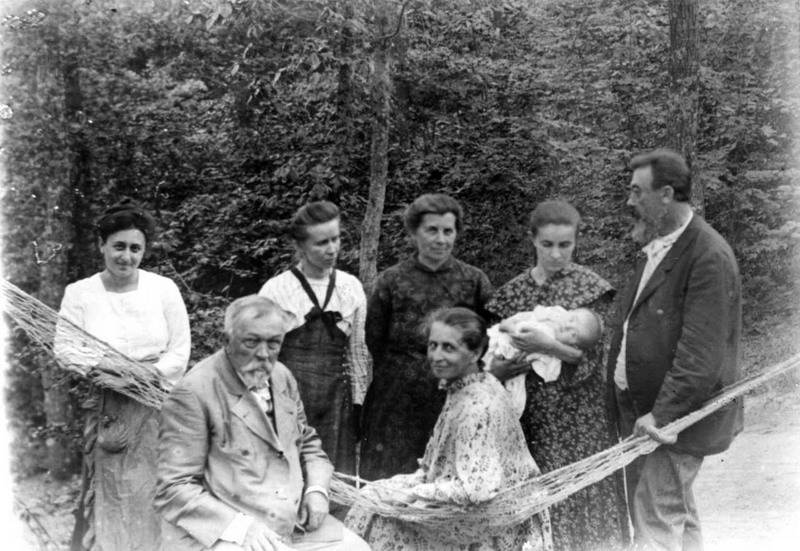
(325, 347)
(142, 315)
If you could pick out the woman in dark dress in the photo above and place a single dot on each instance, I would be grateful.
(565, 420)
(404, 400)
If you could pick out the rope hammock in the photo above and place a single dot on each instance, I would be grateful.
(77, 351)
(514, 505)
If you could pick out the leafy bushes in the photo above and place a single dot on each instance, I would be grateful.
(224, 120)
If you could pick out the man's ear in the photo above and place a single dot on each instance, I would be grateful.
(667, 194)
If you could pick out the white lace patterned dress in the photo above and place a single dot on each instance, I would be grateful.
(477, 449)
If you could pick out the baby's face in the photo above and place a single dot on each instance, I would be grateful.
(577, 327)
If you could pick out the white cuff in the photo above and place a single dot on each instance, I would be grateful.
(237, 529)
(317, 488)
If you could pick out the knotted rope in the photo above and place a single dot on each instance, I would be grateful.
(520, 502)
(139, 381)
(77, 351)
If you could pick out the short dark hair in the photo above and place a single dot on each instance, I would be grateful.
(309, 215)
(555, 211)
(127, 214)
(669, 168)
(431, 203)
(471, 325)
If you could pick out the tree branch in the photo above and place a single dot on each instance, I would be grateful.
(399, 22)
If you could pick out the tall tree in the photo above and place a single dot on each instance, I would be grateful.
(387, 28)
(684, 71)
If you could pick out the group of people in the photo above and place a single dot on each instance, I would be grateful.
(249, 437)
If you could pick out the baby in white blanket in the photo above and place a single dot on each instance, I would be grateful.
(580, 328)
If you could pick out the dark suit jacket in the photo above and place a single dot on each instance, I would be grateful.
(219, 455)
(683, 338)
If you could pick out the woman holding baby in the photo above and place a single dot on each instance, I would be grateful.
(564, 419)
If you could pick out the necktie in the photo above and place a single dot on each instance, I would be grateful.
(264, 398)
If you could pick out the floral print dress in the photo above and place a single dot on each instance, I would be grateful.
(566, 420)
(404, 400)
(477, 449)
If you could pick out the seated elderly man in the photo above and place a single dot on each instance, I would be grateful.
(238, 467)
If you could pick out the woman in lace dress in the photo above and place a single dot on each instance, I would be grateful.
(476, 451)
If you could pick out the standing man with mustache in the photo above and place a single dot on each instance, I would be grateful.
(675, 344)
(239, 468)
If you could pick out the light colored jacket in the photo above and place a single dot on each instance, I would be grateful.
(219, 455)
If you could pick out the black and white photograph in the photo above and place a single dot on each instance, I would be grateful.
(400, 275)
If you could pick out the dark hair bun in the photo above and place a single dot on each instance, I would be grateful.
(124, 204)
(126, 214)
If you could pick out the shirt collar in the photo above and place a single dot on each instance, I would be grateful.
(665, 241)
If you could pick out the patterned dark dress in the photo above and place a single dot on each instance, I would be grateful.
(404, 401)
(566, 420)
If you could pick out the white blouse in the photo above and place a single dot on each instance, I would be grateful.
(348, 299)
(149, 323)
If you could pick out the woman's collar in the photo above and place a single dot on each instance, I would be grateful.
(456, 384)
(445, 266)
(569, 267)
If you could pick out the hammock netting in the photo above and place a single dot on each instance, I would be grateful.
(81, 352)
(139, 381)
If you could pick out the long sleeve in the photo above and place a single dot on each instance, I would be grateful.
(477, 463)
(358, 357)
(379, 315)
(65, 346)
(172, 363)
(484, 295)
(317, 468)
(181, 496)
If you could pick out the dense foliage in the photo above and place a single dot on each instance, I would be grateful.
(225, 116)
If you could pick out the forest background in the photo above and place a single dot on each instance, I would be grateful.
(224, 116)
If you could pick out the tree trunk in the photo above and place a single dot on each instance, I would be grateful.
(344, 95)
(378, 171)
(55, 382)
(684, 70)
(381, 89)
(63, 213)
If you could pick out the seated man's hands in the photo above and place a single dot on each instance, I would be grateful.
(313, 510)
(260, 537)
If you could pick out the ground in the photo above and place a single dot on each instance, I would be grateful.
(748, 496)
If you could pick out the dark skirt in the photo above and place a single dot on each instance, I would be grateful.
(400, 411)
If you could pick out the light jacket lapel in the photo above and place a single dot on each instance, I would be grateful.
(665, 266)
(284, 410)
(247, 409)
